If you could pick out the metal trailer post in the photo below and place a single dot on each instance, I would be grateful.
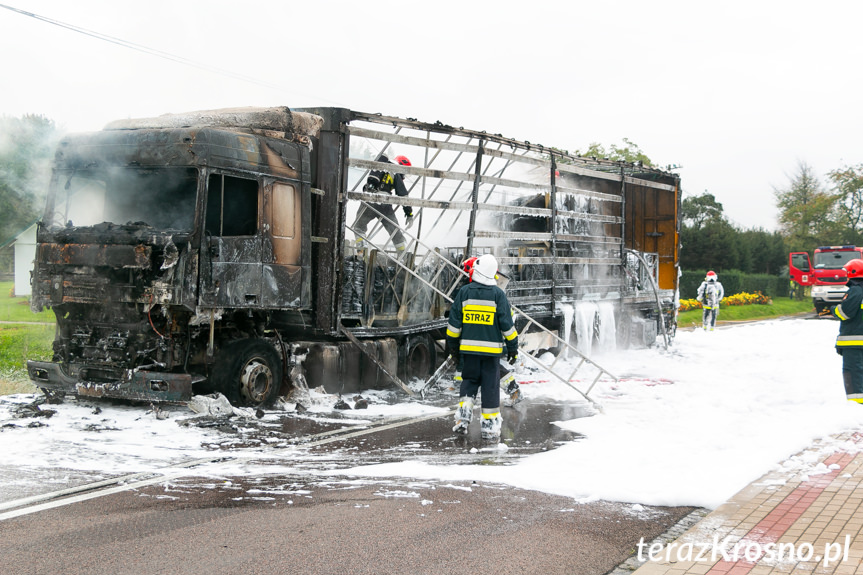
(553, 222)
(471, 230)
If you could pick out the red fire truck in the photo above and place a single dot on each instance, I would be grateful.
(824, 272)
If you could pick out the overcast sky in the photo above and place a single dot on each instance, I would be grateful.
(737, 93)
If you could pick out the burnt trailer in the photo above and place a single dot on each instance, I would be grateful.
(217, 251)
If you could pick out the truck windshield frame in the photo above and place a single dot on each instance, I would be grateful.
(161, 197)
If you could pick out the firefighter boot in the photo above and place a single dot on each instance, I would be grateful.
(491, 424)
(514, 391)
(510, 387)
(463, 415)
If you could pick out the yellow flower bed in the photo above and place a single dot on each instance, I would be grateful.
(736, 299)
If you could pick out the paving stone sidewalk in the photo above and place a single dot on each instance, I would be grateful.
(789, 521)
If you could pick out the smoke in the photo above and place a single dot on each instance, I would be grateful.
(26, 150)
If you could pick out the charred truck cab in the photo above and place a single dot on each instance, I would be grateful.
(168, 254)
(214, 251)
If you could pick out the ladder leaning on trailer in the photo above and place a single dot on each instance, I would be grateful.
(576, 206)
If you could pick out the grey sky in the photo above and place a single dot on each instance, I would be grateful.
(737, 93)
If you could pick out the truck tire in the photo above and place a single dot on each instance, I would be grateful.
(416, 357)
(248, 372)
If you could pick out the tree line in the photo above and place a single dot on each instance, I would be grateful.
(812, 213)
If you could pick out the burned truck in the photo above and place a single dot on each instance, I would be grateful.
(218, 251)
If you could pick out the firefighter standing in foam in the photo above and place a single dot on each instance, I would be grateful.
(385, 183)
(480, 326)
(710, 293)
(849, 343)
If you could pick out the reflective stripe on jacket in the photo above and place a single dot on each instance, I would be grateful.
(850, 316)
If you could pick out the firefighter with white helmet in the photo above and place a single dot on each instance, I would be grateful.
(384, 182)
(849, 343)
(710, 293)
(480, 328)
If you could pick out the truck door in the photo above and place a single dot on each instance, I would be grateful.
(800, 268)
(283, 269)
(231, 264)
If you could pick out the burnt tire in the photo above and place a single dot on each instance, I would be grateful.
(248, 372)
(416, 357)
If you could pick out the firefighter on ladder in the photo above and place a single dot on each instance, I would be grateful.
(849, 342)
(383, 182)
(480, 327)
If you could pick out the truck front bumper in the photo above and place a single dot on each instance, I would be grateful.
(133, 385)
(831, 294)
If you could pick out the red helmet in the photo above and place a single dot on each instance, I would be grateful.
(467, 266)
(403, 161)
(711, 276)
(854, 268)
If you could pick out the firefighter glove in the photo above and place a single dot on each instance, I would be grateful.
(453, 353)
(512, 355)
(409, 211)
(839, 350)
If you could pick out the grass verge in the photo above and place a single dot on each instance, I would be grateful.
(29, 338)
(777, 308)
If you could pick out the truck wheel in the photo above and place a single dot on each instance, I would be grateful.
(248, 372)
(819, 306)
(416, 357)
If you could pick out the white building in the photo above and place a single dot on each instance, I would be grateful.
(24, 245)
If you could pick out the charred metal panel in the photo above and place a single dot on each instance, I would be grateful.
(126, 257)
(249, 152)
(231, 276)
(136, 385)
(343, 368)
(277, 119)
(328, 216)
(233, 284)
(138, 147)
(283, 287)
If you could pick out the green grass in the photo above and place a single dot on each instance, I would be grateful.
(778, 308)
(18, 308)
(30, 338)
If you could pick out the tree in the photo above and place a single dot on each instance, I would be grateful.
(762, 252)
(713, 246)
(629, 152)
(698, 210)
(806, 211)
(848, 185)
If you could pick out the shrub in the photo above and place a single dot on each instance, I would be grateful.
(737, 299)
(736, 282)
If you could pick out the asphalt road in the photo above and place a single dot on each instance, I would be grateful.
(340, 528)
(282, 523)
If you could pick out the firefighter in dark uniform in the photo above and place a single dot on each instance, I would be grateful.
(480, 328)
(382, 182)
(849, 343)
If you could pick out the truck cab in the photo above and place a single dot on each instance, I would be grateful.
(823, 272)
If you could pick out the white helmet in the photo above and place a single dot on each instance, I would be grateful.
(485, 270)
